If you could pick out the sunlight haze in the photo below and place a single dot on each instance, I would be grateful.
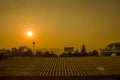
(59, 23)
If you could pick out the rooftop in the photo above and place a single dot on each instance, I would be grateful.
(117, 43)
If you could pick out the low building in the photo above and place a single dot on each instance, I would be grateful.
(4, 53)
(111, 49)
(13, 49)
(68, 49)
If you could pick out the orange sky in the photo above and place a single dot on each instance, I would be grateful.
(59, 23)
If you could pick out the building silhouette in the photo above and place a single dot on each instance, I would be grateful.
(111, 49)
(68, 49)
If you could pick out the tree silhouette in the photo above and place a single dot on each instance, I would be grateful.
(77, 53)
(68, 54)
(63, 54)
(83, 51)
(38, 53)
(14, 52)
(94, 53)
(46, 54)
(24, 51)
(53, 54)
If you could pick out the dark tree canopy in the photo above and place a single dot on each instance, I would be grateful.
(83, 51)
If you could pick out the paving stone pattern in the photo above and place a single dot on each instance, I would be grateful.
(69, 68)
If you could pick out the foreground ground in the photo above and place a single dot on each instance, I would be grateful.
(70, 68)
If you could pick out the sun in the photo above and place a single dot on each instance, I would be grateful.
(29, 33)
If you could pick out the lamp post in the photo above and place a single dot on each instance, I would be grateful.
(30, 34)
(33, 48)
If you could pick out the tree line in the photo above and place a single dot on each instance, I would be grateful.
(24, 51)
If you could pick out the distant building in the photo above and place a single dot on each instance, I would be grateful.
(68, 49)
(4, 53)
(111, 49)
(13, 49)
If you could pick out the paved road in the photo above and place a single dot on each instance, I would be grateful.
(103, 68)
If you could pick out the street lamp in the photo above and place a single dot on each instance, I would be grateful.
(30, 34)
(33, 48)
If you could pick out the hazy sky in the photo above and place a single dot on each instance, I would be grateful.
(59, 23)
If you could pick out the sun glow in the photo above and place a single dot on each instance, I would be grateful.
(29, 33)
